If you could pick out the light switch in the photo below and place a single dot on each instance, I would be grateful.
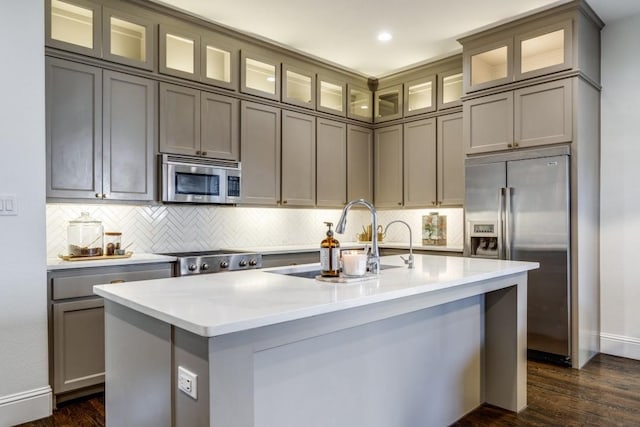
(8, 205)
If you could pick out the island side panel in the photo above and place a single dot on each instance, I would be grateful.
(506, 346)
(138, 369)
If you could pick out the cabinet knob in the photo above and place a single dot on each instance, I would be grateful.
(515, 144)
(433, 202)
(399, 203)
(204, 153)
(284, 202)
(98, 196)
(198, 152)
(510, 145)
(104, 195)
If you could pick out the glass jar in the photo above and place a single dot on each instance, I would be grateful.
(85, 236)
(112, 240)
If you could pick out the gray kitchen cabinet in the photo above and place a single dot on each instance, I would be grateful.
(298, 170)
(331, 161)
(450, 155)
(298, 86)
(388, 104)
(219, 61)
(179, 52)
(260, 153)
(388, 170)
(449, 89)
(76, 324)
(359, 163)
(420, 163)
(360, 100)
(128, 39)
(331, 95)
(536, 115)
(260, 74)
(100, 133)
(420, 96)
(290, 258)
(198, 123)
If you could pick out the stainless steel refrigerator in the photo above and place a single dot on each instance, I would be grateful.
(517, 208)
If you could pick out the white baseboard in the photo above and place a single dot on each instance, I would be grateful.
(25, 406)
(619, 345)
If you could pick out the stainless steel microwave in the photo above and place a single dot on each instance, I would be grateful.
(199, 180)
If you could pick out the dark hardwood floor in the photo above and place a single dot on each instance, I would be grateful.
(605, 393)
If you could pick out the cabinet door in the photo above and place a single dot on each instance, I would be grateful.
(128, 137)
(488, 123)
(420, 163)
(73, 129)
(449, 89)
(298, 86)
(331, 174)
(179, 120)
(219, 63)
(74, 25)
(544, 50)
(420, 96)
(543, 114)
(179, 53)
(488, 65)
(331, 95)
(359, 163)
(260, 75)
(78, 344)
(128, 39)
(298, 159)
(388, 104)
(388, 167)
(220, 126)
(359, 103)
(260, 153)
(450, 160)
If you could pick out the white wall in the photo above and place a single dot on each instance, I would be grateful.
(620, 198)
(24, 390)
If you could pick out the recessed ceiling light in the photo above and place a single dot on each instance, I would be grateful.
(384, 36)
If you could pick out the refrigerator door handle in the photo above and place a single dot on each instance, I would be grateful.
(500, 224)
(508, 225)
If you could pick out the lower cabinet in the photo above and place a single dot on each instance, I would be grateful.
(76, 324)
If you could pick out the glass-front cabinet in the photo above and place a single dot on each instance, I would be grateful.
(260, 75)
(449, 89)
(331, 96)
(359, 103)
(388, 104)
(543, 51)
(298, 86)
(179, 53)
(420, 96)
(219, 63)
(74, 25)
(490, 65)
(127, 39)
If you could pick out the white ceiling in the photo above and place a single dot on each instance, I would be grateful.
(345, 31)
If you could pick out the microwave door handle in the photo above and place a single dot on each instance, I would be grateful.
(500, 223)
(508, 227)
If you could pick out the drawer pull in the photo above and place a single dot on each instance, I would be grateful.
(113, 282)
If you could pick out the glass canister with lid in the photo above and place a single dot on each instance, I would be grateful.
(112, 241)
(85, 236)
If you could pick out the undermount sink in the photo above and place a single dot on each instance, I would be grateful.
(311, 271)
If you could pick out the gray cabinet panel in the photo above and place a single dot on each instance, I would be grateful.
(73, 31)
(359, 163)
(136, 46)
(420, 163)
(128, 137)
(298, 172)
(74, 123)
(78, 344)
(179, 52)
(260, 153)
(388, 167)
(219, 127)
(450, 149)
(488, 123)
(179, 119)
(331, 176)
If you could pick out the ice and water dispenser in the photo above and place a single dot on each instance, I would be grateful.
(483, 239)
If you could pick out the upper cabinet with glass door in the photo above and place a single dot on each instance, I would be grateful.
(489, 65)
(219, 62)
(74, 25)
(360, 100)
(260, 75)
(331, 96)
(128, 39)
(449, 89)
(388, 103)
(543, 51)
(298, 86)
(420, 96)
(179, 52)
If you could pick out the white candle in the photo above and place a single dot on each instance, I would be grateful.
(354, 263)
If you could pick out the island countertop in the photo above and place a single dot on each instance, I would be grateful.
(217, 304)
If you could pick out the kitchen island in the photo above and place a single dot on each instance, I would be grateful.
(407, 348)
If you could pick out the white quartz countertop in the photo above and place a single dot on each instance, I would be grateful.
(283, 249)
(218, 304)
(136, 258)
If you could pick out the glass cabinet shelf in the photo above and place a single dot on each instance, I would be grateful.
(360, 104)
(74, 23)
(331, 97)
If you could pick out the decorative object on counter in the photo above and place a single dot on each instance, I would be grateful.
(112, 242)
(434, 229)
(84, 236)
(408, 261)
(354, 263)
(367, 233)
(329, 254)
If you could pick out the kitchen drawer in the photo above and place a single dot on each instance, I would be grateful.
(80, 282)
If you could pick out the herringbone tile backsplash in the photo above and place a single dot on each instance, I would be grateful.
(176, 228)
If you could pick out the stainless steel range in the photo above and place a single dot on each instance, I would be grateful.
(205, 262)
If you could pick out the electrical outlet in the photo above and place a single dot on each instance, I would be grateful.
(188, 382)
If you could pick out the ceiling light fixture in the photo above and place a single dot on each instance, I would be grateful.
(384, 36)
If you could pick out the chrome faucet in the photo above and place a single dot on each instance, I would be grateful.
(373, 261)
(409, 261)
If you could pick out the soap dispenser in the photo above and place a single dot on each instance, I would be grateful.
(329, 255)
